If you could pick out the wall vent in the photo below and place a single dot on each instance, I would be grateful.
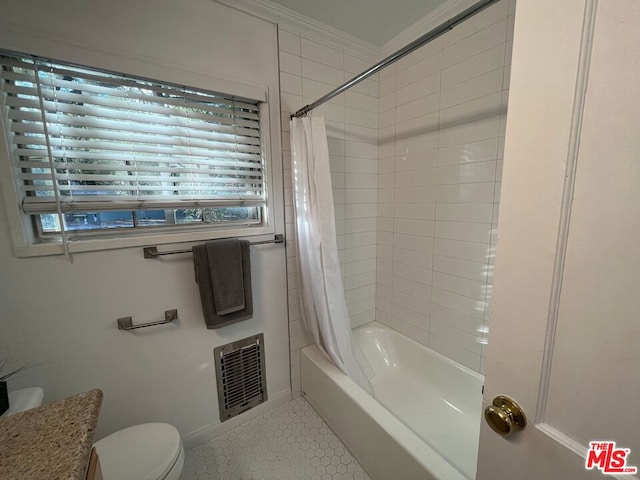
(240, 373)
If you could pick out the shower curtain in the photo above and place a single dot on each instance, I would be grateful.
(324, 309)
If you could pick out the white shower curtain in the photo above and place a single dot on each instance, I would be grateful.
(324, 309)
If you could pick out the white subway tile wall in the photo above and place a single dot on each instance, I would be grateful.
(441, 138)
(308, 70)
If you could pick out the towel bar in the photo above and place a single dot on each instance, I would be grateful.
(126, 323)
(152, 252)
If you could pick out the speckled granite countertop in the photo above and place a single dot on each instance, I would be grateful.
(52, 442)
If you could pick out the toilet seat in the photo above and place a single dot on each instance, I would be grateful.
(151, 451)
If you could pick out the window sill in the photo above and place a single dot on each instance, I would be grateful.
(142, 240)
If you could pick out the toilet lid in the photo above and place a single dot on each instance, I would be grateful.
(142, 452)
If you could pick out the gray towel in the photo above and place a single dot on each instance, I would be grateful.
(225, 266)
(223, 273)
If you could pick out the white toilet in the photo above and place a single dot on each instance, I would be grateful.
(151, 451)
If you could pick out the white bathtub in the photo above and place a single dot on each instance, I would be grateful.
(424, 422)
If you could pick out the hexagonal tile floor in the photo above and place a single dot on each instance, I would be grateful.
(290, 442)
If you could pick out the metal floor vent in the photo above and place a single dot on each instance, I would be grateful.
(240, 373)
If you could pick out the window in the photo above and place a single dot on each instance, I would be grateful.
(95, 153)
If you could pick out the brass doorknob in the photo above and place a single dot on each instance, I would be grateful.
(505, 416)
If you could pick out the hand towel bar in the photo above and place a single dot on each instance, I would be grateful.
(126, 323)
(152, 252)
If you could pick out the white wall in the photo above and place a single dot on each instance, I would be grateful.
(308, 70)
(442, 111)
(64, 315)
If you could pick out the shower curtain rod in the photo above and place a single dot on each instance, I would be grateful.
(406, 50)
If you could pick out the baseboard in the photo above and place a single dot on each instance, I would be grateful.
(208, 432)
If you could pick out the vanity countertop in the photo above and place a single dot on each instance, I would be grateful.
(52, 442)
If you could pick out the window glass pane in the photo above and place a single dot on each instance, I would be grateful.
(188, 215)
(217, 215)
(50, 223)
(79, 221)
(152, 218)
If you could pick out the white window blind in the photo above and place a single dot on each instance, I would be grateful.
(123, 143)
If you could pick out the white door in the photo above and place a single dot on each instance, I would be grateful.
(565, 330)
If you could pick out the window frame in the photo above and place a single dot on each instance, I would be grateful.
(27, 241)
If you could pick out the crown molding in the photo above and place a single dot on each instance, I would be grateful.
(311, 29)
(306, 27)
(430, 21)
